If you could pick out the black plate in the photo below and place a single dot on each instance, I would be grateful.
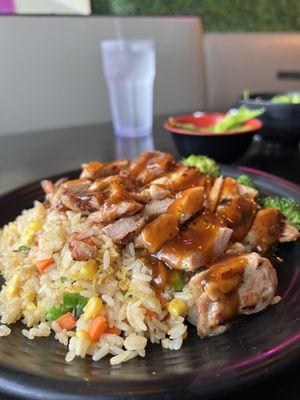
(254, 348)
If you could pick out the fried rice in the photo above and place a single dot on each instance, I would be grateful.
(134, 311)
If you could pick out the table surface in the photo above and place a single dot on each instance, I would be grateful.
(28, 157)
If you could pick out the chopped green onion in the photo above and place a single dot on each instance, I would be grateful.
(72, 302)
(56, 311)
(22, 248)
(176, 281)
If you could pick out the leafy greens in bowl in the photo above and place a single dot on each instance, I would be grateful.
(234, 120)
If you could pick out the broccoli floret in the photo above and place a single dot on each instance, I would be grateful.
(204, 164)
(245, 180)
(290, 208)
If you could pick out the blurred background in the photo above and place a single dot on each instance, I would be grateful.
(207, 52)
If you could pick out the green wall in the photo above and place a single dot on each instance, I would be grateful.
(217, 15)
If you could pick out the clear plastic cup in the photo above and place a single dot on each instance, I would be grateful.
(129, 69)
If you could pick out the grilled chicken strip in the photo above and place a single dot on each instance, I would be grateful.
(183, 177)
(187, 203)
(236, 207)
(124, 229)
(149, 166)
(166, 226)
(265, 231)
(200, 242)
(238, 215)
(120, 203)
(96, 169)
(243, 284)
(289, 233)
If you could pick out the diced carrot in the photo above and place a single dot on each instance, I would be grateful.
(152, 313)
(67, 321)
(44, 264)
(97, 327)
(114, 330)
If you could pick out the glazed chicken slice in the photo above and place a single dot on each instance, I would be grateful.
(183, 177)
(268, 228)
(120, 203)
(187, 203)
(75, 195)
(166, 226)
(236, 208)
(125, 229)
(238, 285)
(265, 231)
(155, 191)
(238, 215)
(201, 241)
(102, 184)
(95, 169)
(214, 194)
(231, 189)
(148, 166)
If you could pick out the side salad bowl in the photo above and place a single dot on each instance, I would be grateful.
(191, 136)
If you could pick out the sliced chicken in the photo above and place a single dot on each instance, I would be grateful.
(289, 233)
(199, 243)
(238, 285)
(149, 165)
(230, 190)
(187, 203)
(156, 191)
(214, 194)
(265, 231)
(238, 215)
(247, 191)
(48, 187)
(166, 226)
(185, 177)
(73, 195)
(96, 169)
(101, 184)
(125, 229)
(119, 204)
(157, 207)
(157, 232)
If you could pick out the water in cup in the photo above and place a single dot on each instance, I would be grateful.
(129, 68)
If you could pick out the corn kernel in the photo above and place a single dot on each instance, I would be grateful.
(75, 288)
(29, 232)
(177, 307)
(92, 308)
(185, 335)
(14, 286)
(88, 270)
(83, 334)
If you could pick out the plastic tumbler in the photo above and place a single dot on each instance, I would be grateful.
(129, 69)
